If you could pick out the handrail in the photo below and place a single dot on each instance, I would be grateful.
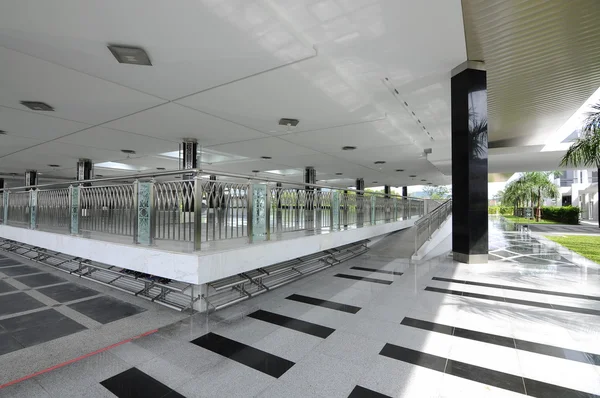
(431, 222)
(197, 172)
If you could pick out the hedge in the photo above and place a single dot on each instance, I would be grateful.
(564, 214)
(504, 210)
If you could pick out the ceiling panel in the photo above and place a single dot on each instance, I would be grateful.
(74, 96)
(40, 126)
(274, 147)
(114, 140)
(541, 58)
(175, 122)
(193, 45)
(10, 143)
(311, 92)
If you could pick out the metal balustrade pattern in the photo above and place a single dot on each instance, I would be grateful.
(170, 210)
(109, 209)
(53, 209)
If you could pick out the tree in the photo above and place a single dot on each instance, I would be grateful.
(530, 188)
(437, 192)
(585, 151)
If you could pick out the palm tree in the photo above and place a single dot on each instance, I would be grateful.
(585, 151)
(540, 182)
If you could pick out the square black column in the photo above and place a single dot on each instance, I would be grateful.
(469, 163)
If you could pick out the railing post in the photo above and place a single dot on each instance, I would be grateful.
(395, 208)
(198, 212)
(144, 211)
(33, 209)
(5, 198)
(74, 201)
(258, 213)
(409, 206)
(335, 211)
(373, 205)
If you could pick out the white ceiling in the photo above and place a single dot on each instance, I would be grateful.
(224, 72)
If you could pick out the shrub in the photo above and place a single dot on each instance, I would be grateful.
(564, 214)
(504, 210)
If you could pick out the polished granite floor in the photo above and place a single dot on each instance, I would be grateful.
(526, 324)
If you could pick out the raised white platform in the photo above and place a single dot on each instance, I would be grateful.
(197, 267)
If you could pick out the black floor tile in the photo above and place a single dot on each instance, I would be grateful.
(106, 309)
(18, 302)
(18, 271)
(67, 292)
(8, 344)
(381, 271)
(244, 354)
(5, 287)
(40, 280)
(485, 337)
(9, 262)
(50, 331)
(425, 325)
(589, 311)
(490, 377)
(521, 289)
(414, 357)
(558, 352)
(361, 392)
(360, 278)
(540, 389)
(32, 320)
(134, 383)
(332, 305)
(294, 324)
(445, 291)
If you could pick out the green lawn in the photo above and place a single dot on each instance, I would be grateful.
(522, 220)
(587, 246)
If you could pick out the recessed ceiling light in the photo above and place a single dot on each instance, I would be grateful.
(288, 122)
(160, 168)
(54, 165)
(37, 106)
(429, 183)
(348, 148)
(128, 151)
(413, 175)
(130, 55)
(2, 132)
(375, 182)
(380, 162)
(266, 157)
(399, 170)
(98, 176)
(338, 174)
(256, 171)
(423, 180)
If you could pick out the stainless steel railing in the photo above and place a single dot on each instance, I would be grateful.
(426, 226)
(196, 209)
(53, 209)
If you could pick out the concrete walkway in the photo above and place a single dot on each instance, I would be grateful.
(563, 229)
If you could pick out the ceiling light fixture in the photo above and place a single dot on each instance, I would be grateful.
(98, 176)
(380, 162)
(339, 174)
(256, 171)
(412, 175)
(266, 157)
(128, 151)
(348, 148)
(400, 170)
(160, 168)
(375, 182)
(130, 55)
(2, 132)
(54, 165)
(37, 106)
(288, 122)
(423, 180)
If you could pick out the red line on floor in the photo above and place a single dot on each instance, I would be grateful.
(60, 365)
